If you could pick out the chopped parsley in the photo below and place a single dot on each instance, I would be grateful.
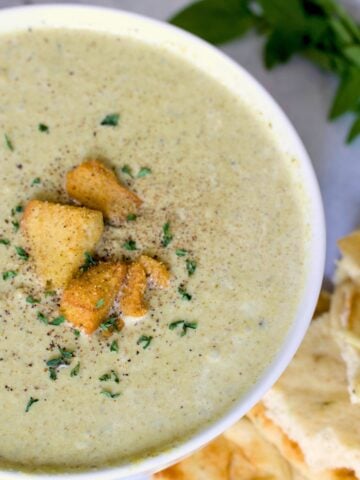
(75, 371)
(112, 375)
(64, 359)
(109, 394)
(32, 300)
(127, 170)
(130, 245)
(9, 274)
(17, 209)
(190, 266)
(184, 326)
(76, 333)
(30, 403)
(111, 120)
(100, 303)
(114, 347)
(36, 181)
(144, 341)
(58, 320)
(8, 143)
(184, 294)
(4, 241)
(143, 172)
(43, 128)
(111, 322)
(89, 262)
(167, 235)
(49, 293)
(131, 217)
(181, 252)
(22, 253)
(43, 318)
(16, 225)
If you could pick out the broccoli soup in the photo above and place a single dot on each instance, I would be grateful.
(152, 248)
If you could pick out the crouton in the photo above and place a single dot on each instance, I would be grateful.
(95, 186)
(156, 271)
(131, 302)
(58, 237)
(87, 300)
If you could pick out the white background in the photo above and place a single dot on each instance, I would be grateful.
(305, 93)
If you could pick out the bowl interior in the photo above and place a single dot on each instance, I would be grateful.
(240, 83)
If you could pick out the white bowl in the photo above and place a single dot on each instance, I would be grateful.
(240, 82)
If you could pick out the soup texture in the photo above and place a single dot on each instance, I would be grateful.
(204, 163)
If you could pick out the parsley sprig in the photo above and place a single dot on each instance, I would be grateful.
(320, 30)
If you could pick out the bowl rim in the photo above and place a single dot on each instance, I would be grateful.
(317, 249)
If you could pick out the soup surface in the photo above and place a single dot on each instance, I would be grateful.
(233, 202)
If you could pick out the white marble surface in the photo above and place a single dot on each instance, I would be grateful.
(305, 93)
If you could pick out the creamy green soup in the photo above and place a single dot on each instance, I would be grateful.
(233, 203)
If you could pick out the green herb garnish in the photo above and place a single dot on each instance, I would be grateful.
(114, 347)
(43, 128)
(89, 262)
(190, 266)
(130, 245)
(181, 252)
(143, 172)
(36, 181)
(4, 241)
(144, 341)
(64, 359)
(75, 371)
(30, 403)
(127, 170)
(112, 375)
(167, 235)
(320, 30)
(100, 303)
(49, 293)
(109, 394)
(22, 253)
(110, 120)
(58, 320)
(76, 333)
(9, 274)
(184, 326)
(111, 322)
(43, 318)
(16, 225)
(52, 373)
(32, 300)
(17, 209)
(8, 143)
(131, 217)
(184, 294)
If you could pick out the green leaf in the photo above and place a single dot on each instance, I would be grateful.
(131, 217)
(130, 245)
(185, 326)
(181, 252)
(8, 143)
(30, 403)
(110, 120)
(110, 322)
(43, 128)
(109, 394)
(127, 170)
(36, 181)
(348, 94)
(4, 241)
(58, 320)
(352, 53)
(143, 172)
(22, 253)
(354, 131)
(167, 235)
(33, 301)
(100, 303)
(40, 316)
(75, 371)
(145, 341)
(89, 262)
(114, 347)
(52, 373)
(184, 294)
(277, 12)
(191, 266)
(216, 21)
(9, 274)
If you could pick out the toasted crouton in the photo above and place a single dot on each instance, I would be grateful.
(58, 236)
(157, 271)
(95, 186)
(87, 300)
(131, 302)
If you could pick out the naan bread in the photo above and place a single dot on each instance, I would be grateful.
(310, 404)
(240, 454)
